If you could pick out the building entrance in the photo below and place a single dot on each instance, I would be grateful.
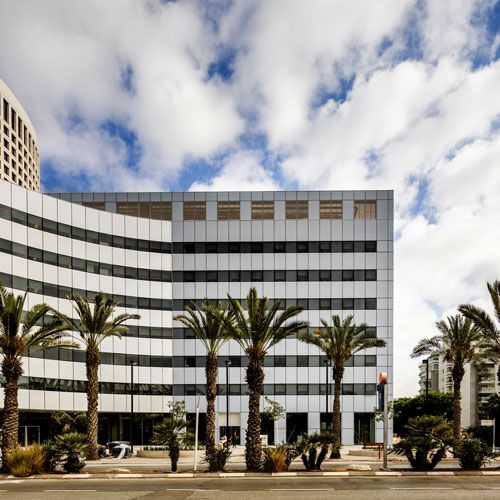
(364, 428)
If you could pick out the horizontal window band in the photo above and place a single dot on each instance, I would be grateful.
(62, 292)
(77, 264)
(77, 233)
(62, 385)
(271, 361)
(275, 247)
(313, 304)
(276, 275)
(182, 333)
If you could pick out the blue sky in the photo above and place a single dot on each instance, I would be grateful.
(282, 94)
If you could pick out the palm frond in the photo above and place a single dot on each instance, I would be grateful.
(425, 347)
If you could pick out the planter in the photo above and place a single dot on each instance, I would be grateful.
(152, 454)
(162, 453)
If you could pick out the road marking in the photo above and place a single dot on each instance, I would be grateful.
(428, 488)
(11, 481)
(67, 491)
(301, 489)
(187, 489)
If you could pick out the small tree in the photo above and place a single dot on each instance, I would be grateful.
(70, 447)
(314, 448)
(273, 412)
(472, 453)
(171, 432)
(69, 422)
(427, 440)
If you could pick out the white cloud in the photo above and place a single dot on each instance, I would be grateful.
(419, 113)
(67, 58)
(241, 171)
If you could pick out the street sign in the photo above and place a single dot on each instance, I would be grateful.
(487, 423)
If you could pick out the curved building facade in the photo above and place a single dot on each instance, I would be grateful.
(329, 251)
(19, 154)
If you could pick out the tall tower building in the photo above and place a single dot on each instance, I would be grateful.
(19, 154)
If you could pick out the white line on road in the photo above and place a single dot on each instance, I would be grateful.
(301, 489)
(428, 488)
(187, 489)
(68, 491)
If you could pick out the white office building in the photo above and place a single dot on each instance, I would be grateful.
(329, 251)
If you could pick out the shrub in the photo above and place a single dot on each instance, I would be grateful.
(480, 432)
(279, 458)
(50, 456)
(69, 447)
(24, 462)
(427, 439)
(217, 458)
(472, 453)
(308, 448)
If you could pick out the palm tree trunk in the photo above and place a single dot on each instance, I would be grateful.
(457, 375)
(92, 361)
(11, 370)
(211, 371)
(338, 373)
(255, 381)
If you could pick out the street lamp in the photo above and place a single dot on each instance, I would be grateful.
(132, 364)
(426, 363)
(327, 364)
(228, 364)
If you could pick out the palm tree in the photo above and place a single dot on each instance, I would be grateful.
(339, 343)
(18, 333)
(207, 323)
(94, 326)
(256, 332)
(457, 342)
(490, 343)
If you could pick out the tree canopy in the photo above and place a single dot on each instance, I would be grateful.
(437, 403)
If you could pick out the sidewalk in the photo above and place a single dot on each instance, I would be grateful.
(348, 463)
(348, 466)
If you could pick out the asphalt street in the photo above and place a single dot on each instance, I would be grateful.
(320, 488)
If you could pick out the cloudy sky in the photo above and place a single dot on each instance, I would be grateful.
(283, 94)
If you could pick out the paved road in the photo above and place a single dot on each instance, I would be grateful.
(428, 488)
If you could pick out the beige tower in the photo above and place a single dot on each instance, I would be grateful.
(19, 156)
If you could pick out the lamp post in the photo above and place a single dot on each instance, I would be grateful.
(327, 364)
(426, 362)
(228, 364)
(132, 364)
(383, 405)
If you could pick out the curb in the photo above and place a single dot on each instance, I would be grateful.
(230, 475)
